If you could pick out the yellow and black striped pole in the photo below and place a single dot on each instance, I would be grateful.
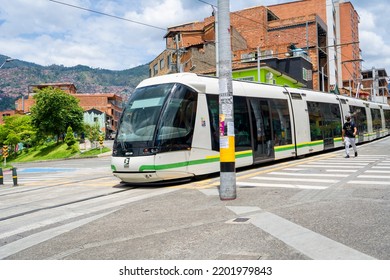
(227, 189)
(5, 154)
(1, 176)
(14, 176)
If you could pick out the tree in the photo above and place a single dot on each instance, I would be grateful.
(12, 139)
(54, 111)
(92, 132)
(69, 138)
(16, 129)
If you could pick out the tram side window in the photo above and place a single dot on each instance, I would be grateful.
(280, 122)
(324, 121)
(387, 118)
(334, 121)
(241, 124)
(316, 121)
(359, 117)
(376, 119)
(213, 106)
(177, 122)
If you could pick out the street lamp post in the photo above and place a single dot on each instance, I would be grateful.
(5, 61)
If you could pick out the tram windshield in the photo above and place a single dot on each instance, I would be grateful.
(140, 116)
(160, 116)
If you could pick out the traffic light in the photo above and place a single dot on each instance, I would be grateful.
(5, 151)
(101, 140)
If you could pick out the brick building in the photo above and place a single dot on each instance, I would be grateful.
(105, 108)
(325, 32)
(6, 113)
(375, 86)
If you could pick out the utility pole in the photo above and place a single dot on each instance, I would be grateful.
(215, 13)
(227, 189)
(258, 64)
(375, 84)
(178, 70)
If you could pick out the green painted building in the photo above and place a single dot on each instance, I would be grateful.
(268, 75)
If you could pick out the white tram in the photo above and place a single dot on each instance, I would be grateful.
(170, 127)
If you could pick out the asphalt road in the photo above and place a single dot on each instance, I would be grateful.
(320, 207)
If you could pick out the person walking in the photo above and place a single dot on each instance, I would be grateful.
(348, 136)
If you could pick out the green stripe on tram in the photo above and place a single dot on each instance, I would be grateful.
(191, 162)
(238, 155)
(284, 148)
(310, 144)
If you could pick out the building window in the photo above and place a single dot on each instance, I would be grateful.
(304, 74)
(249, 78)
(307, 75)
(155, 69)
(162, 63)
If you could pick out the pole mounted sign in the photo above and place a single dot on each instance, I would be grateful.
(5, 151)
(5, 154)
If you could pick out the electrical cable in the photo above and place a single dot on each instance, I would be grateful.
(108, 15)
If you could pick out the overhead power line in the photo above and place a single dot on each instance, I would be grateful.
(108, 15)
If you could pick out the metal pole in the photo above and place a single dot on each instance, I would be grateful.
(227, 189)
(14, 176)
(373, 85)
(323, 78)
(1, 176)
(178, 70)
(258, 64)
(216, 43)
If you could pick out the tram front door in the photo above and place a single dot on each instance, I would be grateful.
(262, 129)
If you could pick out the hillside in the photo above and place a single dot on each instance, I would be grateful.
(16, 76)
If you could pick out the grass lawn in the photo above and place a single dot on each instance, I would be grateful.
(53, 151)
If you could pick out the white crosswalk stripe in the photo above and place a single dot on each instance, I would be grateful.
(325, 173)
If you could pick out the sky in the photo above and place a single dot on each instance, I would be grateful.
(46, 32)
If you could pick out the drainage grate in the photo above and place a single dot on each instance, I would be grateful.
(240, 220)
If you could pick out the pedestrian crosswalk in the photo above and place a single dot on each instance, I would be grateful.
(321, 174)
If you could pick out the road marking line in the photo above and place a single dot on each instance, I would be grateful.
(310, 243)
(285, 165)
(307, 174)
(374, 176)
(338, 162)
(287, 186)
(294, 169)
(342, 170)
(295, 179)
(334, 166)
(34, 239)
(369, 182)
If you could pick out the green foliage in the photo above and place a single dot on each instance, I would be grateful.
(6, 103)
(54, 111)
(92, 132)
(70, 140)
(94, 152)
(18, 129)
(49, 151)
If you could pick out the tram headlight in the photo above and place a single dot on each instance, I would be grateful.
(150, 151)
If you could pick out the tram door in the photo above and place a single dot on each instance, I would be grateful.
(261, 129)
